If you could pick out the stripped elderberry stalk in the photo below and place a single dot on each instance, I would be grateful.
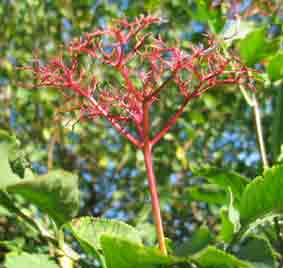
(146, 68)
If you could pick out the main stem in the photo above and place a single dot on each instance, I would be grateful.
(147, 151)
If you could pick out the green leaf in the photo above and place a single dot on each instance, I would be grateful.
(212, 257)
(6, 137)
(225, 179)
(209, 193)
(258, 251)
(275, 67)
(7, 177)
(277, 124)
(15, 155)
(205, 14)
(263, 197)
(210, 101)
(147, 232)
(199, 240)
(26, 260)
(88, 231)
(256, 47)
(233, 213)
(227, 227)
(15, 245)
(55, 193)
(121, 253)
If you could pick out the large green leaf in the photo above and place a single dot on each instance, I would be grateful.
(121, 253)
(56, 193)
(199, 240)
(255, 46)
(26, 260)
(7, 177)
(263, 196)
(88, 231)
(225, 179)
(209, 193)
(212, 257)
(258, 251)
(275, 67)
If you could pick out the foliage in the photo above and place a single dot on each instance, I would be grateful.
(220, 207)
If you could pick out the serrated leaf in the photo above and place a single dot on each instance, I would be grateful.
(55, 193)
(275, 67)
(225, 179)
(212, 257)
(209, 193)
(258, 251)
(121, 253)
(88, 231)
(263, 197)
(26, 260)
(199, 240)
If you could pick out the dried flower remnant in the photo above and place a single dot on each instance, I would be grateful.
(145, 66)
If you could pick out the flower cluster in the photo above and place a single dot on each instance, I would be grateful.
(145, 67)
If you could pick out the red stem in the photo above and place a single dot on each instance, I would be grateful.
(172, 121)
(147, 151)
(115, 124)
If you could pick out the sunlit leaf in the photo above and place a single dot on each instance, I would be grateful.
(212, 257)
(26, 260)
(263, 197)
(56, 193)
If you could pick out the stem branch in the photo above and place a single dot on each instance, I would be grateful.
(172, 121)
(115, 124)
(147, 151)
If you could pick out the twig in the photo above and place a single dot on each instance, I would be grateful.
(51, 145)
(259, 132)
(252, 101)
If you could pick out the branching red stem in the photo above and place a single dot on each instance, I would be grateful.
(143, 66)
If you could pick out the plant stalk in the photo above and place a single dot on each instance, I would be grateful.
(154, 198)
(260, 133)
(147, 151)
